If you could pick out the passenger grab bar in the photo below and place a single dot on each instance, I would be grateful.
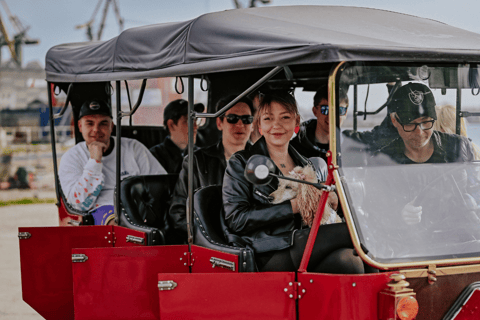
(139, 101)
(256, 85)
(67, 100)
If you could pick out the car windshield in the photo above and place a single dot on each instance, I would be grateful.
(408, 157)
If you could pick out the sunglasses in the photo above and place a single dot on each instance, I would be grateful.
(233, 118)
(324, 110)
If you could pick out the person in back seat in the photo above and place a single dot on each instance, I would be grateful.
(171, 151)
(87, 171)
(210, 162)
(313, 138)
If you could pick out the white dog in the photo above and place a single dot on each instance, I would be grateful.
(308, 196)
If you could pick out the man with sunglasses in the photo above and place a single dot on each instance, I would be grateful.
(210, 162)
(313, 138)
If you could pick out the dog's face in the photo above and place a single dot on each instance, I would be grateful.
(287, 190)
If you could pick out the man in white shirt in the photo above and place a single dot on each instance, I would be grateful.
(87, 171)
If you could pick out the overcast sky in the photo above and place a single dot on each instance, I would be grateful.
(53, 21)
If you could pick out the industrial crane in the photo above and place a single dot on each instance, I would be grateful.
(19, 38)
(89, 24)
(250, 3)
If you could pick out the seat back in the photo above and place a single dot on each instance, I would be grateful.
(209, 226)
(145, 201)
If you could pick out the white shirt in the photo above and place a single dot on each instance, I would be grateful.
(88, 184)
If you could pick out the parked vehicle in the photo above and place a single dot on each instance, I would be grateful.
(427, 271)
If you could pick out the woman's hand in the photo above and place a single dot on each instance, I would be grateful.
(295, 207)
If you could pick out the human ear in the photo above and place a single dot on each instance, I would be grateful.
(170, 124)
(314, 110)
(219, 124)
(79, 125)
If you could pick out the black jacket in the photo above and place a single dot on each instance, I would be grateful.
(251, 221)
(169, 155)
(304, 142)
(447, 148)
(209, 167)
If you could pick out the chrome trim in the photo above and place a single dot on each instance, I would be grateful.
(217, 262)
(24, 235)
(79, 257)
(440, 272)
(166, 285)
(74, 223)
(134, 239)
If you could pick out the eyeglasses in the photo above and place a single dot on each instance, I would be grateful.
(233, 118)
(324, 110)
(409, 127)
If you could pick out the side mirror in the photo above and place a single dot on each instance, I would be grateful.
(259, 169)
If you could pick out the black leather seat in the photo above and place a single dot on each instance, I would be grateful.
(145, 201)
(209, 225)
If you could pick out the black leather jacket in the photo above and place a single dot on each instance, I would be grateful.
(251, 221)
(169, 155)
(209, 167)
(447, 148)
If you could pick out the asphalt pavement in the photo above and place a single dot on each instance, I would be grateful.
(12, 307)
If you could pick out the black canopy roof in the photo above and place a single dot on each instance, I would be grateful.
(261, 37)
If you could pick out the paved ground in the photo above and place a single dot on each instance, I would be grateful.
(12, 306)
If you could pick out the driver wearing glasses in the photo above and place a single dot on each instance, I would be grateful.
(412, 111)
(413, 115)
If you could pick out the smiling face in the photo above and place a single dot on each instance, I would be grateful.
(278, 124)
(417, 138)
(235, 134)
(96, 128)
(323, 120)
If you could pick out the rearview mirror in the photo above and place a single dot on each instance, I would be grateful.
(259, 169)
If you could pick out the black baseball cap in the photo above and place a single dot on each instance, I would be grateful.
(90, 107)
(177, 108)
(413, 101)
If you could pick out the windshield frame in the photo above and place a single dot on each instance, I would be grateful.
(344, 197)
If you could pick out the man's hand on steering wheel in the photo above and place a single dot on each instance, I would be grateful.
(411, 214)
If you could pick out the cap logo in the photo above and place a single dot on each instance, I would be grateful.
(94, 105)
(416, 97)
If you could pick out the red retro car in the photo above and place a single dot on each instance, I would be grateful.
(426, 271)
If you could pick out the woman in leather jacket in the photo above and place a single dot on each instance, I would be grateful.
(275, 232)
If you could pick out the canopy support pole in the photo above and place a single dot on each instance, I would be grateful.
(52, 138)
(459, 111)
(191, 119)
(118, 149)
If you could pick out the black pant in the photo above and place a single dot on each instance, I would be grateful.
(332, 253)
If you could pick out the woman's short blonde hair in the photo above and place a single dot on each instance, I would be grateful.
(283, 98)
